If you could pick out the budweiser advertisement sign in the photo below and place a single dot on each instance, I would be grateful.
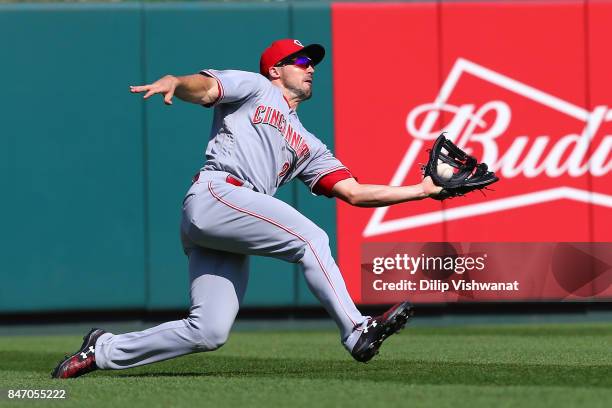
(535, 104)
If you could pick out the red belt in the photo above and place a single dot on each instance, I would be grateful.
(230, 179)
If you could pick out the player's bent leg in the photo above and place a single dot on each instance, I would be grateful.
(218, 284)
(238, 219)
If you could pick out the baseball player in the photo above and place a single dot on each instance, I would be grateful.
(257, 143)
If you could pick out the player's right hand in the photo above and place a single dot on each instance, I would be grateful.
(165, 86)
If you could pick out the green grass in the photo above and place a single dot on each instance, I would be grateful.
(486, 366)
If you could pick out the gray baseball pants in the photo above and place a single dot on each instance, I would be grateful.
(222, 224)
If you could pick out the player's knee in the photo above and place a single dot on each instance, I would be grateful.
(214, 338)
(319, 237)
(315, 240)
(207, 337)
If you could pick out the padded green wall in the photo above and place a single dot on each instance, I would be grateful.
(94, 177)
(72, 180)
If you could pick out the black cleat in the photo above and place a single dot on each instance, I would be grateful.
(378, 329)
(81, 362)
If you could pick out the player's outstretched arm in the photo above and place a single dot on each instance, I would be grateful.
(374, 195)
(194, 88)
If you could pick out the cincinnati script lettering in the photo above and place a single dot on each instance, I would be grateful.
(267, 115)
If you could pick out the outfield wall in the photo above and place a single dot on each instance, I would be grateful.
(94, 177)
(523, 85)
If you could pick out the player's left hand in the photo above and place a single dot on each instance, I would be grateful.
(429, 187)
(466, 173)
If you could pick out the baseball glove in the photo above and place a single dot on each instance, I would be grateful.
(468, 175)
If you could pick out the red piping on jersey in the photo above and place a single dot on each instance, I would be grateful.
(286, 229)
(326, 171)
(221, 92)
(286, 100)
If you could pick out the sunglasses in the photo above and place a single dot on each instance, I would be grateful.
(302, 62)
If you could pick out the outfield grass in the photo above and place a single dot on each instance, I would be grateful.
(487, 366)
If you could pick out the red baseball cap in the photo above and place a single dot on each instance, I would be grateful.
(284, 48)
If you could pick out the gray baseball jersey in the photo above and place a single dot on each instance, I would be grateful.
(257, 137)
